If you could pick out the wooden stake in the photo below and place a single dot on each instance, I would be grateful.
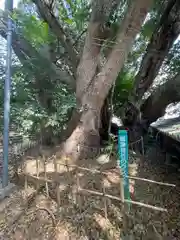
(105, 202)
(69, 180)
(37, 172)
(67, 167)
(45, 176)
(123, 201)
(142, 144)
(57, 183)
(25, 170)
(78, 197)
(121, 188)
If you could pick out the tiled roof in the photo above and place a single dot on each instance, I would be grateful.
(170, 127)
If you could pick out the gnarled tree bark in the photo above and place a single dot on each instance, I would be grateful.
(92, 87)
(93, 84)
(161, 41)
(166, 32)
(155, 105)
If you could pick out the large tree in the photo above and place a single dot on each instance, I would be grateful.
(89, 66)
(89, 74)
(93, 84)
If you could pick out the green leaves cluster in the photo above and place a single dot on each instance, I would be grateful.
(123, 89)
(33, 29)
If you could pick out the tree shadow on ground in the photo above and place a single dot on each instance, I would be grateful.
(84, 213)
(86, 216)
(154, 168)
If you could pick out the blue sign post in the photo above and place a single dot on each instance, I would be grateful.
(123, 159)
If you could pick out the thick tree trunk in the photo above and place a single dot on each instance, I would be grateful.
(84, 142)
(104, 119)
(155, 105)
(93, 88)
(161, 41)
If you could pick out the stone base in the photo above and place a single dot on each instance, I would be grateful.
(5, 192)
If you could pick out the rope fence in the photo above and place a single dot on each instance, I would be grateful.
(40, 178)
(84, 191)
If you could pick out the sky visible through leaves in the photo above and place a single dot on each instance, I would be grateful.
(2, 2)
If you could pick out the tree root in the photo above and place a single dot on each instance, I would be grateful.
(30, 199)
(49, 213)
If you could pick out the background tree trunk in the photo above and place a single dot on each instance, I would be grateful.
(155, 105)
(165, 34)
(161, 41)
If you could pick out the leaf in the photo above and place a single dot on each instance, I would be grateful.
(69, 21)
(148, 28)
(14, 15)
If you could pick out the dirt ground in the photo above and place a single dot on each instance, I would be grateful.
(28, 214)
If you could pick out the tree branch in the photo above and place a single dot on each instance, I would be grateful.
(155, 105)
(28, 55)
(96, 34)
(57, 29)
(161, 41)
(130, 28)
